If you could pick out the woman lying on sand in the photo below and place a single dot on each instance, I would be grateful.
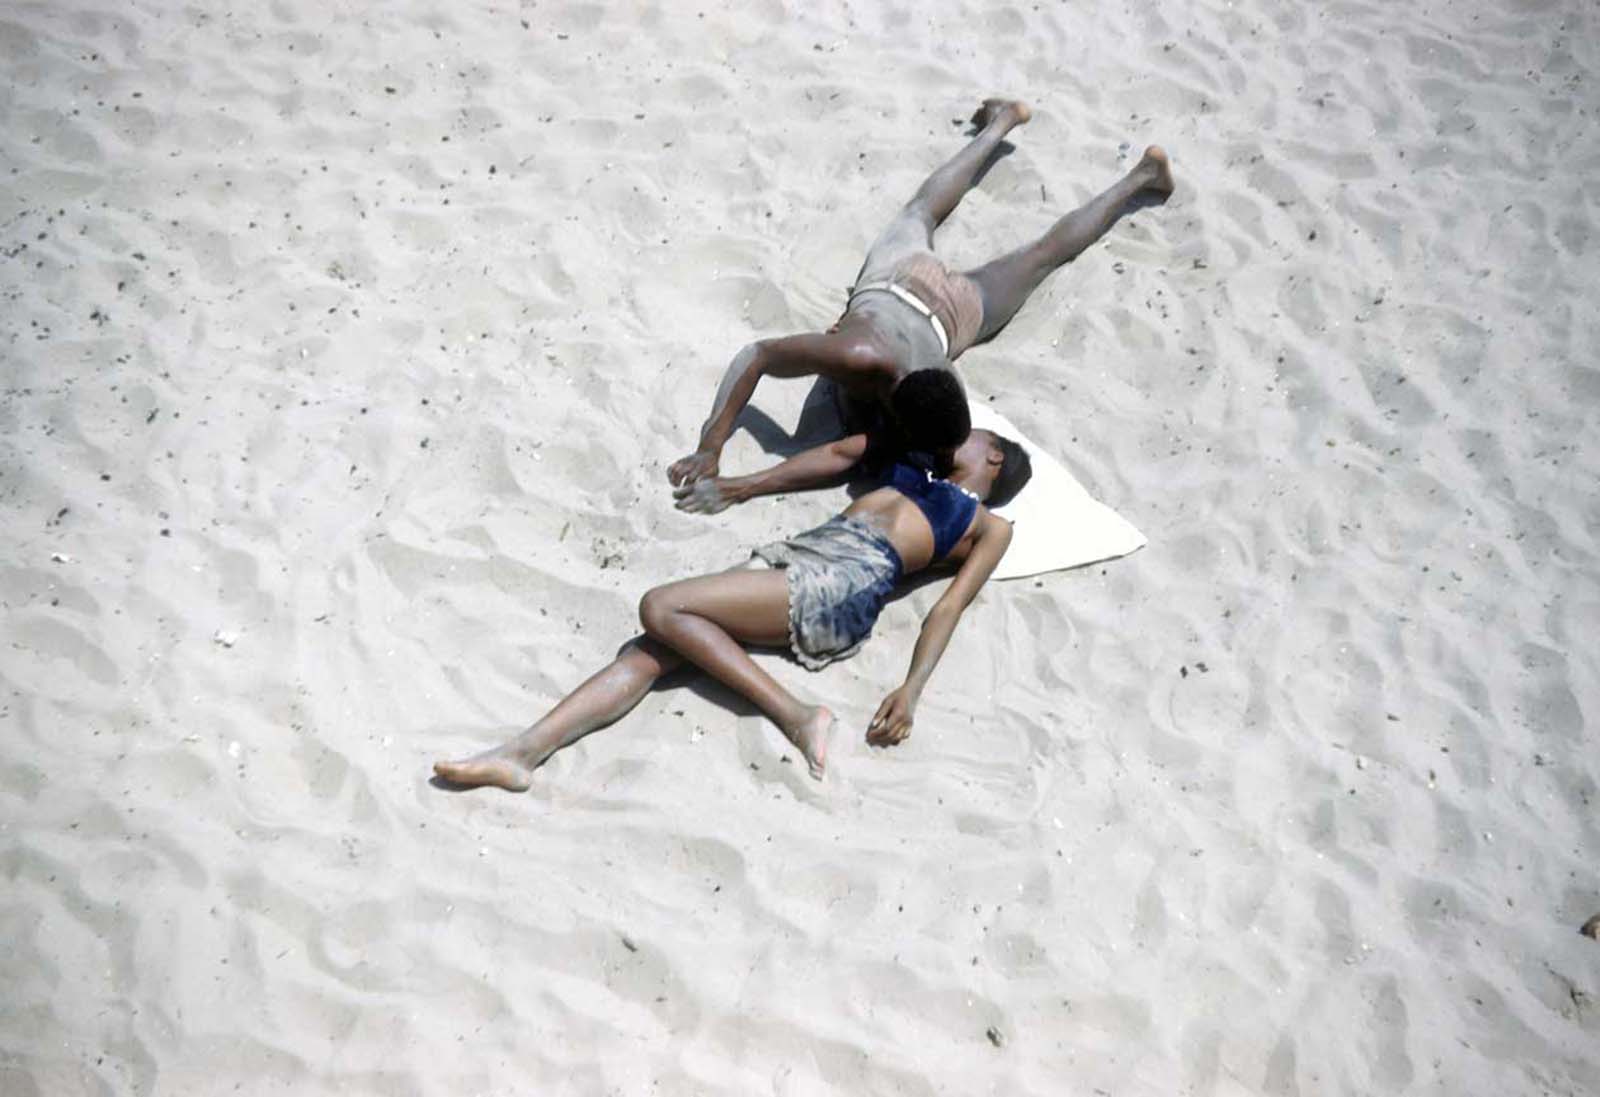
(829, 586)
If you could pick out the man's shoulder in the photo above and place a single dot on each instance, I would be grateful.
(865, 353)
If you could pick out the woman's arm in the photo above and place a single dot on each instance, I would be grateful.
(816, 467)
(893, 720)
(840, 357)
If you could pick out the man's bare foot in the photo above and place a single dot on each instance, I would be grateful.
(1016, 109)
(811, 736)
(1155, 159)
(500, 767)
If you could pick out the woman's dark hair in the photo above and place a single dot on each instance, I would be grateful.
(1016, 469)
(931, 410)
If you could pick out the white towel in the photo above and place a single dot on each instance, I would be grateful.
(1058, 524)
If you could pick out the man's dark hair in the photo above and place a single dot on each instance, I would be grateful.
(931, 410)
(1016, 469)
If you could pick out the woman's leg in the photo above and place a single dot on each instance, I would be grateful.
(708, 620)
(604, 699)
(1006, 282)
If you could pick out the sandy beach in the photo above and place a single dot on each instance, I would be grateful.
(343, 349)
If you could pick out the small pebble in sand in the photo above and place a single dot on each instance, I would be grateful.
(996, 1037)
(226, 637)
(1591, 928)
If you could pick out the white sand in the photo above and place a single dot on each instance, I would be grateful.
(393, 315)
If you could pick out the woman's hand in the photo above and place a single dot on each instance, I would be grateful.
(706, 496)
(893, 721)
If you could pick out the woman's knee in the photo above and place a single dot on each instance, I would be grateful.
(649, 655)
(655, 610)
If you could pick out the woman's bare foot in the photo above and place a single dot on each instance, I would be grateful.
(811, 736)
(1016, 109)
(501, 767)
(1155, 159)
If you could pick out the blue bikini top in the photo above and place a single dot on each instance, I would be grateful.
(948, 508)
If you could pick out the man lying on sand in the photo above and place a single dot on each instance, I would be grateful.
(909, 317)
(822, 601)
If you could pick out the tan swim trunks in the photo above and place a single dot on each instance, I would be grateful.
(950, 301)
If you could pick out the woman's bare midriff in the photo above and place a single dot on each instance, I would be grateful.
(898, 519)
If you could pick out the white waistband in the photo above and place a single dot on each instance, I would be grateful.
(914, 301)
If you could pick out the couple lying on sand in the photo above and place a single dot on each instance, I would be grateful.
(819, 593)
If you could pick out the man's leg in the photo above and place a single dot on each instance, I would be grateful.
(709, 619)
(1006, 282)
(944, 189)
(911, 231)
(604, 699)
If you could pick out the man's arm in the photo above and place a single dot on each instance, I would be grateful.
(813, 468)
(894, 717)
(843, 358)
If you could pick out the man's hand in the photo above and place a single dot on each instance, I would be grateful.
(711, 496)
(697, 466)
(893, 721)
